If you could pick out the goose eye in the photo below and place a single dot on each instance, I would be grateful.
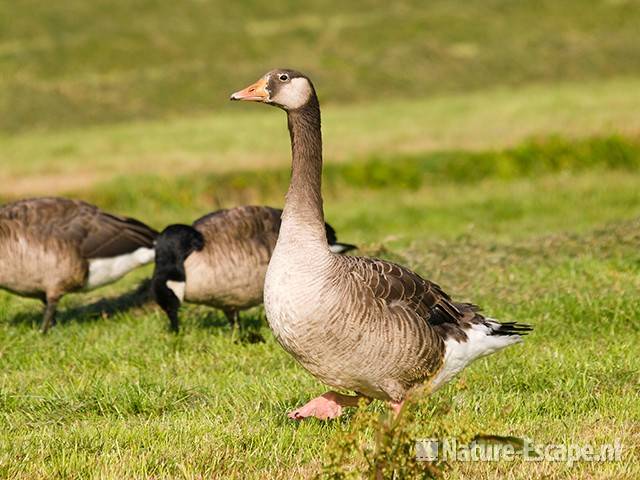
(283, 77)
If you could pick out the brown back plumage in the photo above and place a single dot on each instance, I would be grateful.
(399, 286)
(95, 233)
(241, 224)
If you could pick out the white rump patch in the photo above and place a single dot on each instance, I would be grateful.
(106, 270)
(294, 94)
(479, 343)
(177, 288)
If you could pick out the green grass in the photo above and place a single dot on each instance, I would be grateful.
(116, 395)
(493, 146)
(78, 63)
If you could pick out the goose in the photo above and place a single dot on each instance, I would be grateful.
(358, 324)
(51, 246)
(220, 260)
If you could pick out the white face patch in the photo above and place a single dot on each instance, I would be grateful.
(177, 288)
(293, 94)
(106, 270)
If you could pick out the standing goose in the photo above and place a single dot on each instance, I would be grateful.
(52, 246)
(359, 324)
(220, 261)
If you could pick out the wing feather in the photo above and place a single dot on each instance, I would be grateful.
(95, 233)
(395, 286)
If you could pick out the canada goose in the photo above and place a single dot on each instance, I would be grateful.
(52, 246)
(220, 260)
(359, 324)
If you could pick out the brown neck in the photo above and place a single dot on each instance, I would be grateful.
(303, 205)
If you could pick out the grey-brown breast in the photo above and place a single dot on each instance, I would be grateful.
(378, 328)
(229, 271)
(32, 266)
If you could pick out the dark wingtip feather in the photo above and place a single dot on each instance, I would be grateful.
(110, 235)
(512, 328)
(142, 229)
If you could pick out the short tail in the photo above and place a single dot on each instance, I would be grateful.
(477, 339)
(334, 245)
(174, 244)
(510, 328)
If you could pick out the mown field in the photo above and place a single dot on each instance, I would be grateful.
(110, 393)
(75, 63)
(494, 148)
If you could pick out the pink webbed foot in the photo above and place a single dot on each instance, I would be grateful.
(324, 407)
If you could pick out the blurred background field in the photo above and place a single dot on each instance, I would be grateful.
(113, 86)
(75, 63)
(493, 146)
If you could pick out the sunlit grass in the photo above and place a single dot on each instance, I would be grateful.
(119, 396)
(492, 146)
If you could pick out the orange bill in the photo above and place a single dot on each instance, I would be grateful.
(253, 93)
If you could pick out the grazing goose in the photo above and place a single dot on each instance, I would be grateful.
(53, 246)
(220, 260)
(359, 324)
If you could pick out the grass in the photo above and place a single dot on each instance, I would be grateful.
(493, 148)
(74, 64)
(250, 137)
(116, 395)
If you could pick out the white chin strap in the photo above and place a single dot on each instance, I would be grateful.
(177, 288)
(294, 94)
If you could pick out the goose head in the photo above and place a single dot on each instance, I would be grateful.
(283, 88)
(173, 246)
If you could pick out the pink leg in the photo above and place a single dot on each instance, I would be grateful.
(396, 407)
(325, 406)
